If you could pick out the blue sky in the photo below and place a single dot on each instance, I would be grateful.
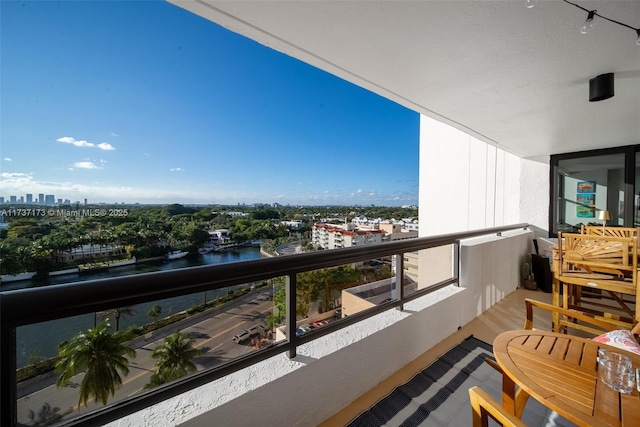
(141, 101)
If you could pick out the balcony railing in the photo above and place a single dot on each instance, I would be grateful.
(34, 305)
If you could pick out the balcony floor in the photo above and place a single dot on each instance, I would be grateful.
(506, 315)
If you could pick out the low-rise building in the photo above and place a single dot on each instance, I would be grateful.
(219, 237)
(89, 252)
(293, 224)
(332, 236)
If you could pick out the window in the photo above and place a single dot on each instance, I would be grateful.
(586, 183)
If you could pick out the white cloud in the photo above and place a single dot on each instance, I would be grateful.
(15, 175)
(81, 143)
(73, 141)
(114, 134)
(8, 159)
(358, 191)
(176, 170)
(110, 191)
(106, 146)
(86, 165)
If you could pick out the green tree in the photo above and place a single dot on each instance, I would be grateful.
(174, 359)
(279, 304)
(117, 313)
(102, 356)
(265, 214)
(154, 312)
(177, 209)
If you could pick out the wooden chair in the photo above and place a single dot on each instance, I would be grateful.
(578, 319)
(484, 406)
(606, 263)
(598, 230)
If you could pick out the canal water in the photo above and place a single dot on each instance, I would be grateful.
(41, 340)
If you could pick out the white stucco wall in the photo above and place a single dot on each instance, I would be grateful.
(534, 193)
(467, 184)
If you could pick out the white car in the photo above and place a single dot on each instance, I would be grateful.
(256, 330)
(241, 337)
(245, 335)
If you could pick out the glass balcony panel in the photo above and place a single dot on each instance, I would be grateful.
(427, 267)
(323, 293)
(215, 327)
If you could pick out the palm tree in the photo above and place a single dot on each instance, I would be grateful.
(117, 313)
(154, 312)
(175, 359)
(102, 356)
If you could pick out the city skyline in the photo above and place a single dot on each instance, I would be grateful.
(40, 199)
(152, 104)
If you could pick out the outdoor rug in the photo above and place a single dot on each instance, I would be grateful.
(439, 394)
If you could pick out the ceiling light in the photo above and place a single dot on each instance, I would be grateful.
(589, 23)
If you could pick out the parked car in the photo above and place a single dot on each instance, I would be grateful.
(243, 336)
(307, 327)
(320, 323)
(256, 330)
(338, 314)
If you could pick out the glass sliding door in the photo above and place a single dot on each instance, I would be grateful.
(585, 185)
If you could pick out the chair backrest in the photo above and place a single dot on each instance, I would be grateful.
(606, 254)
(598, 230)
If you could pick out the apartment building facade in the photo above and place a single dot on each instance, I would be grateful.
(333, 236)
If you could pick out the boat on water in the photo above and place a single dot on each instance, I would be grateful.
(97, 266)
(176, 255)
(206, 248)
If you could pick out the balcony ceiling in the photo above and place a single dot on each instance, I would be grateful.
(514, 77)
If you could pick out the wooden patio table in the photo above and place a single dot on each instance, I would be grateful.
(560, 371)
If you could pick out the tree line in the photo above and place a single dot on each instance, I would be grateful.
(38, 243)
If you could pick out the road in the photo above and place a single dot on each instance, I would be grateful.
(213, 335)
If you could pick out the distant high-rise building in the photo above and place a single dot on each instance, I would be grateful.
(49, 200)
(12, 199)
(21, 199)
(85, 202)
(1, 199)
(59, 201)
(29, 198)
(67, 201)
(41, 199)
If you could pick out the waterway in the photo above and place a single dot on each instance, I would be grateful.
(41, 340)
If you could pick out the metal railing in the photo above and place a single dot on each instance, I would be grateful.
(35, 305)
